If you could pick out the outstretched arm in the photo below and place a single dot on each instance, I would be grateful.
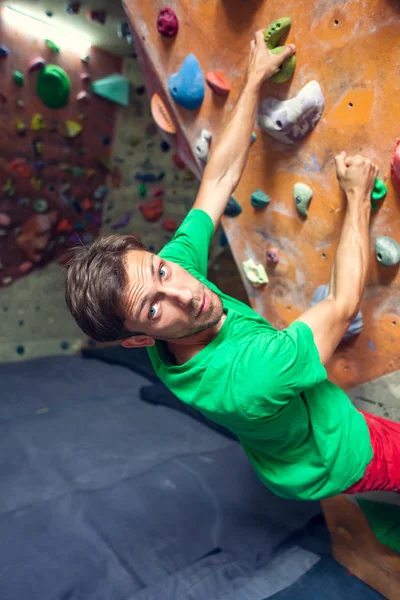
(330, 319)
(229, 156)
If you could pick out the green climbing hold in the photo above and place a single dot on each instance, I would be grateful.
(40, 205)
(52, 46)
(387, 251)
(253, 137)
(275, 31)
(274, 35)
(259, 199)
(142, 190)
(77, 171)
(379, 192)
(287, 68)
(53, 86)
(18, 78)
(302, 195)
(115, 88)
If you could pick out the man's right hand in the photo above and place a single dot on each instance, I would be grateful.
(356, 176)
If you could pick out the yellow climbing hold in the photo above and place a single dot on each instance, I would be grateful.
(255, 273)
(36, 183)
(72, 128)
(8, 187)
(20, 125)
(90, 173)
(38, 123)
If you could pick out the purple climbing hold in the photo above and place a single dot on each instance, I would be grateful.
(36, 64)
(167, 22)
(4, 52)
(187, 85)
(74, 239)
(97, 219)
(122, 222)
(73, 8)
(97, 16)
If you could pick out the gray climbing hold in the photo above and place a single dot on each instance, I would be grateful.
(259, 199)
(387, 251)
(357, 324)
(302, 194)
(203, 143)
(290, 120)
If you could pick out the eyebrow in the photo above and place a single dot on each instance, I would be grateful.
(153, 274)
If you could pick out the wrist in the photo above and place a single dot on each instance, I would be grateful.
(253, 82)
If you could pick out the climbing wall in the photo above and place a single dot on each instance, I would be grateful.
(52, 177)
(350, 48)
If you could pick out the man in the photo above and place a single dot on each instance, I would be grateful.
(302, 434)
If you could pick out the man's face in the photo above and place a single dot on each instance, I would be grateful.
(164, 301)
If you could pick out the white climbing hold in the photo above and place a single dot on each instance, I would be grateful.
(255, 272)
(203, 143)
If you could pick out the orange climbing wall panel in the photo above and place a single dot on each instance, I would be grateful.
(351, 48)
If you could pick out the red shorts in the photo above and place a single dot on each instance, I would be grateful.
(383, 472)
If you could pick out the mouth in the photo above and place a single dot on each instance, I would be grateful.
(205, 304)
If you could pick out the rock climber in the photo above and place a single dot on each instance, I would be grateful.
(301, 432)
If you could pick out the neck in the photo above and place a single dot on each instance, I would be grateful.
(185, 348)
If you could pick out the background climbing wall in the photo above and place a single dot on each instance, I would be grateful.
(349, 48)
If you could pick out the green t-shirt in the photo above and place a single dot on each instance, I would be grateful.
(301, 432)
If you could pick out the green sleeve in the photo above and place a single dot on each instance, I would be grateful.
(190, 244)
(274, 367)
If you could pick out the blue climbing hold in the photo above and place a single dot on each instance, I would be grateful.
(101, 192)
(164, 146)
(223, 240)
(106, 141)
(4, 52)
(187, 85)
(149, 177)
(233, 208)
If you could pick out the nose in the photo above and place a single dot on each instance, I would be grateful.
(182, 295)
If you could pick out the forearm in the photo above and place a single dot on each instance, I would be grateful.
(350, 267)
(229, 156)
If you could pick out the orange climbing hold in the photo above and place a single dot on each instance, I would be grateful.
(218, 83)
(153, 209)
(86, 204)
(170, 224)
(161, 115)
(64, 225)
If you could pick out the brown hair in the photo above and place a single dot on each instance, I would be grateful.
(95, 283)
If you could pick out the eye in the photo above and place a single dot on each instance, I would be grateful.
(163, 272)
(153, 311)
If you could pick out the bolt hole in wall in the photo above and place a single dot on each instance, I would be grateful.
(336, 22)
(350, 104)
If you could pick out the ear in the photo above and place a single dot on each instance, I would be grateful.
(138, 341)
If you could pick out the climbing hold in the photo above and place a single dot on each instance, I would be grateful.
(24, 268)
(167, 22)
(36, 183)
(395, 166)
(5, 220)
(273, 36)
(97, 16)
(149, 177)
(253, 137)
(36, 64)
(161, 115)
(158, 191)
(77, 171)
(124, 32)
(18, 78)
(255, 273)
(49, 13)
(290, 120)
(387, 251)
(38, 123)
(302, 194)
(85, 58)
(83, 97)
(164, 146)
(122, 222)
(20, 126)
(203, 143)
(379, 192)
(356, 325)
(20, 103)
(90, 173)
(20, 167)
(4, 51)
(40, 205)
(72, 129)
(115, 88)
(64, 225)
(24, 201)
(218, 83)
(233, 208)
(187, 85)
(86, 204)
(142, 190)
(101, 192)
(73, 8)
(223, 240)
(53, 86)
(273, 255)
(178, 162)
(37, 146)
(170, 224)
(8, 187)
(74, 239)
(259, 199)
(35, 235)
(79, 226)
(106, 141)
(153, 209)
(52, 46)
(86, 77)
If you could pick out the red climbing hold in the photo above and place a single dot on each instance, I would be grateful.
(178, 162)
(273, 255)
(64, 225)
(86, 204)
(158, 191)
(25, 266)
(170, 224)
(395, 166)
(153, 209)
(218, 83)
(167, 22)
(37, 64)
(97, 16)
(20, 167)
